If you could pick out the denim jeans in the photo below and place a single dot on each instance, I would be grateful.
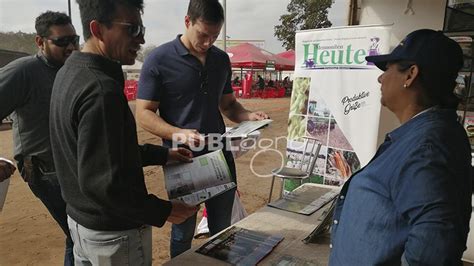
(47, 189)
(127, 247)
(219, 211)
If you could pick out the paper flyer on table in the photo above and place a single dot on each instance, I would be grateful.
(243, 129)
(306, 199)
(207, 176)
(239, 246)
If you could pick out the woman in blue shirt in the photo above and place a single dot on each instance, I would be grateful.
(411, 204)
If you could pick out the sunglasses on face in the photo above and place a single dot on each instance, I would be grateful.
(64, 41)
(134, 30)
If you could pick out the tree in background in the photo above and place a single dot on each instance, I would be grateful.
(18, 41)
(303, 15)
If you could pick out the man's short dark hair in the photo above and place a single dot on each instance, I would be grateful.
(49, 18)
(102, 11)
(209, 11)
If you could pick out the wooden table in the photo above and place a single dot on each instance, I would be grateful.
(294, 227)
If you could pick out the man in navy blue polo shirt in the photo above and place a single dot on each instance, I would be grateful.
(189, 81)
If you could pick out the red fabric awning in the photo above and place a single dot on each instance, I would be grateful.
(289, 56)
(247, 55)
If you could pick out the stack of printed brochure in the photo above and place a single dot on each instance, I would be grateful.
(323, 225)
(206, 177)
(239, 246)
(306, 199)
(243, 129)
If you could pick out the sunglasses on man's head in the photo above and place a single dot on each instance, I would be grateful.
(134, 30)
(64, 41)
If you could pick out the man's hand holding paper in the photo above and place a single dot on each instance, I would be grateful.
(189, 137)
(181, 211)
(180, 155)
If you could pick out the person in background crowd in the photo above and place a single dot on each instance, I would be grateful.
(260, 82)
(271, 83)
(95, 146)
(236, 81)
(411, 204)
(287, 85)
(192, 106)
(25, 90)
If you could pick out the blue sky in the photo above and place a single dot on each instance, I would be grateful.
(164, 19)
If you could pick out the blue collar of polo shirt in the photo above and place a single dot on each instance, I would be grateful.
(180, 48)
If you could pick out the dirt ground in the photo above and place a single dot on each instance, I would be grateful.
(29, 236)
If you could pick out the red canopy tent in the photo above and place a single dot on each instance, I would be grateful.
(284, 63)
(247, 55)
(290, 55)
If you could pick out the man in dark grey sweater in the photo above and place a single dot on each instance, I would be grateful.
(25, 90)
(95, 145)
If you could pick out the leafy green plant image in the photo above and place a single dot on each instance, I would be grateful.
(290, 185)
(300, 95)
(318, 179)
(296, 127)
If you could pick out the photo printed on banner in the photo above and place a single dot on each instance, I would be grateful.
(317, 106)
(300, 95)
(340, 165)
(318, 128)
(337, 138)
(296, 127)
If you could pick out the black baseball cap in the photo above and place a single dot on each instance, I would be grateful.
(431, 50)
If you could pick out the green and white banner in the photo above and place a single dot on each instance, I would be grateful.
(336, 99)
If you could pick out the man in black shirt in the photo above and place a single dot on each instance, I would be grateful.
(25, 90)
(95, 144)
